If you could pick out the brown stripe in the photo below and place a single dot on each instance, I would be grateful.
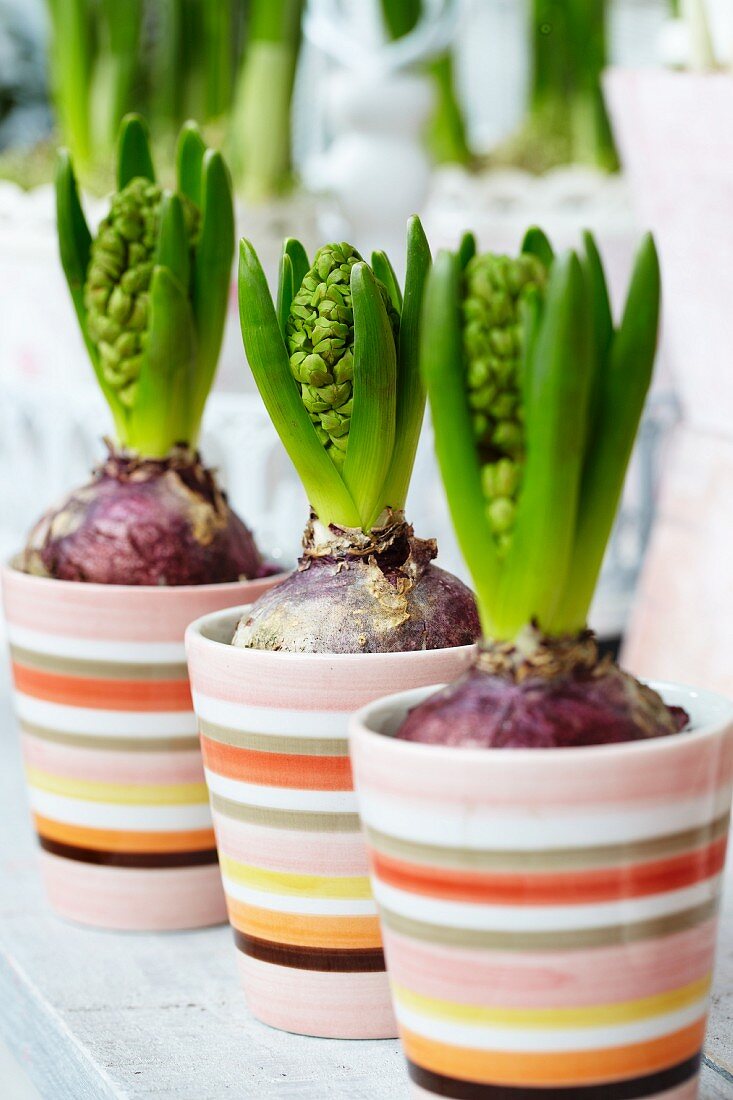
(100, 670)
(266, 742)
(552, 859)
(128, 859)
(351, 960)
(304, 820)
(634, 1088)
(185, 743)
(566, 940)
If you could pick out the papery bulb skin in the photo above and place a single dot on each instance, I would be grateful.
(356, 593)
(145, 522)
(561, 696)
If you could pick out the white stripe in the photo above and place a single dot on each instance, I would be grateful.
(282, 903)
(525, 1040)
(490, 829)
(541, 918)
(90, 649)
(277, 720)
(281, 798)
(110, 723)
(109, 815)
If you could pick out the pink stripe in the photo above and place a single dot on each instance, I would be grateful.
(129, 899)
(290, 850)
(104, 766)
(561, 979)
(316, 1002)
(313, 681)
(665, 769)
(117, 613)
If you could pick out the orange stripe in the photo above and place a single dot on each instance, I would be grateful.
(577, 1067)
(81, 691)
(576, 887)
(304, 931)
(276, 769)
(113, 840)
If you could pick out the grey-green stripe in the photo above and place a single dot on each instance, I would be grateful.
(100, 670)
(184, 743)
(315, 821)
(551, 859)
(266, 742)
(565, 940)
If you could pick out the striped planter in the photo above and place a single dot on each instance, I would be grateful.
(113, 765)
(273, 730)
(549, 916)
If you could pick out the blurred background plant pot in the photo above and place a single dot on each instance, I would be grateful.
(676, 142)
(113, 763)
(497, 982)
(682, 616)
(273, 730)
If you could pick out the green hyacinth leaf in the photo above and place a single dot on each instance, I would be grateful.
(173, 249)
(411, 393)
(165, 382)
(75, 243)
(601, 318)
(270, 366)
(189, 162)
(537, 243)
(442, 366)
(212, 272)
(557, 387)
(384, 271)
(293, 269)
(623, 387)
(75, 240)
(285, 290)
(466, 249)
(133, 151)
(372, 431)
(298, 258)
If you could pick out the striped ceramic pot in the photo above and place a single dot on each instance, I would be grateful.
(273, 731)
(112, 759)
(549, 916)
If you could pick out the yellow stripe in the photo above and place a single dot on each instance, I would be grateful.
(133, 794)
(284, 882)
(554, 1019)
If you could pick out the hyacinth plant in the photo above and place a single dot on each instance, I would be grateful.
(566, 120)
(150, 294)
(336, 362)
(536, 398)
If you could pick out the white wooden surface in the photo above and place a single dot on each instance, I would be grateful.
(96, 1015)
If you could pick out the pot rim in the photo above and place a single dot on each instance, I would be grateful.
(9, 569)
(195, 633)
(662, 73)
(361, 727)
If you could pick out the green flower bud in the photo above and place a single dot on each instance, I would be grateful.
(320, 337)
(501, 514)
(508, 476)
(508, 437)
(493, 292)
(118, 280)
